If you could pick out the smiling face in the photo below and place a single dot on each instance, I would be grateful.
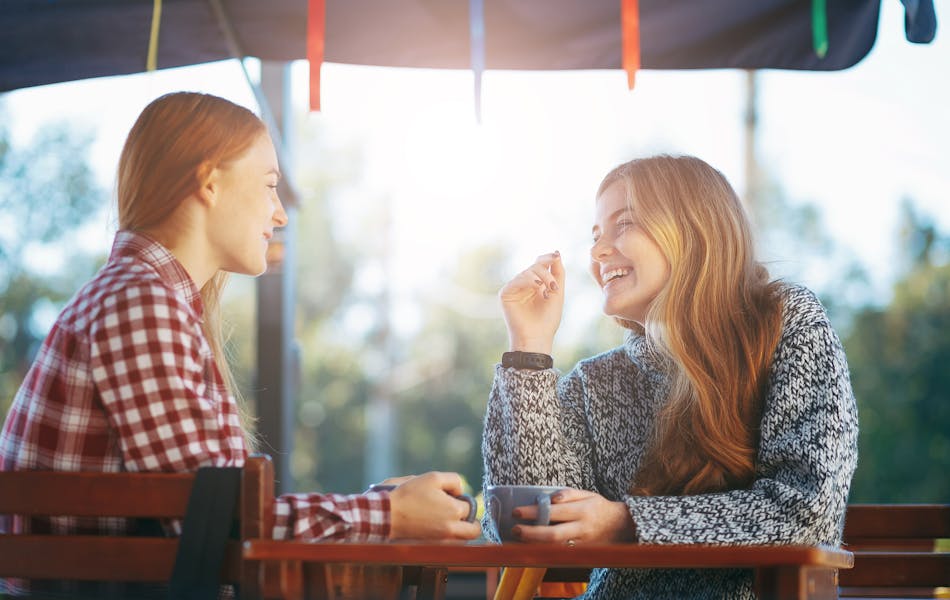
(247, 209)
(625, 261)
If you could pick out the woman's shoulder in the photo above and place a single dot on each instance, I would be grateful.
(602, 360)
(123, 288)
(806, 328)
(801, 309)
(633, 355)
(128, 278)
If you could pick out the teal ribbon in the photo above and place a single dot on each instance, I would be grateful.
(819, 27)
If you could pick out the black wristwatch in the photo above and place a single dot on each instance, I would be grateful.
(527, 360)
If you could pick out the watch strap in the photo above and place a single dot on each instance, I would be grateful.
(527, 360)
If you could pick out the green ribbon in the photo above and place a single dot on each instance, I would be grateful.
(819, 27)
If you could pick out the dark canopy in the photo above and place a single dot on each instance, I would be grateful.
(49, 41)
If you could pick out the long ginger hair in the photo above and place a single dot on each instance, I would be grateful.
(172, 148)
(716, 321)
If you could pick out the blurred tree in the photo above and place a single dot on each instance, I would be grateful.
(898, 356)
(47, 192)
(330, 429)
(796, 246)
(443, 381)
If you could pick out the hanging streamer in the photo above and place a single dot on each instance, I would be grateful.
(819, 27)
(630, 30)
(476, 18)
(316, 41)
(151, 61)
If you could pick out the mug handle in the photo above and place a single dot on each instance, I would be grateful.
(544, 509)
(472, 505)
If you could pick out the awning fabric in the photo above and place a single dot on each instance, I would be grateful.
(49, 41)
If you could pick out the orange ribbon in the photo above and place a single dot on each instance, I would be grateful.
(630, 31)
(316, 41)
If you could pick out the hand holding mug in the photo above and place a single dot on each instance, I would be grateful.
(431, 506)
(501, 502)
(579, 516)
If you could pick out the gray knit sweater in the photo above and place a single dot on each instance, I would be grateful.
(589, 429)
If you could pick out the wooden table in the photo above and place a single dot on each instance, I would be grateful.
(297, 570)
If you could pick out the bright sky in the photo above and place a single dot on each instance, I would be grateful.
(852, 142)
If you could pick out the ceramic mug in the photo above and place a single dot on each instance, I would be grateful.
(501, 500)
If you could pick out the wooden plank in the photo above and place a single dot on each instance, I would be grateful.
(887, 592)
(87, 558)
(94, 494)
(894, 569)
(543, 555)
(904, 521)
(257, 518)
(99, 558)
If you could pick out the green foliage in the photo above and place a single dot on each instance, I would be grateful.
(47, 192)
(331, 428)
(451, 363)
(899, 357)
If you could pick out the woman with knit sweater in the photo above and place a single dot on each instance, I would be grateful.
(726, 417)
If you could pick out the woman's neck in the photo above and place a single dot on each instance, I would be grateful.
(188, 249)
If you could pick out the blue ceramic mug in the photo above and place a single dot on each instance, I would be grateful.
(501, 500)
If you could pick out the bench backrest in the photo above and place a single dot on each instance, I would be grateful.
(895, 550)
(129, 558)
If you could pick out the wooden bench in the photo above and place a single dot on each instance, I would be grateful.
(120, 558)
(895, 551)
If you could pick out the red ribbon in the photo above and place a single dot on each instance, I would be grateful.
(316, 31)
(630, 31)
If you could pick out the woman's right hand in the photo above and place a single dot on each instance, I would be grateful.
(532, 303)
(427, 507)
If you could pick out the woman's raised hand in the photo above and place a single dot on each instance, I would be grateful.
(532, 303)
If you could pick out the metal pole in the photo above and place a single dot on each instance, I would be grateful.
(278, 360)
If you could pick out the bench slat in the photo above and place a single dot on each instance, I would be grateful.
(98, 558)
(89, 494)
(912, 569)
(903, 521)
(88, 558)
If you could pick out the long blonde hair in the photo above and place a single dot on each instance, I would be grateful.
(170, 151)
(717, 320)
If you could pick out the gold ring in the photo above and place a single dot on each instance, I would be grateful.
(570, 543)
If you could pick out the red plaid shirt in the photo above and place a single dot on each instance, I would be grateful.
(126, 381)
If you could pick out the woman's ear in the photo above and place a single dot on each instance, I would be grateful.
(209, 180)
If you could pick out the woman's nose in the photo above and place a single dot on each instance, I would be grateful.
(600, 249)
(280, 216)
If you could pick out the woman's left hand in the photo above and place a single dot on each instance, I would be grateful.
(579, 516)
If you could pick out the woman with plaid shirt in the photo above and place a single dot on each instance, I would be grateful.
(132, 376)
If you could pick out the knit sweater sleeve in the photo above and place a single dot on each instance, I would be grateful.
(535, 430)
(807, 456)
